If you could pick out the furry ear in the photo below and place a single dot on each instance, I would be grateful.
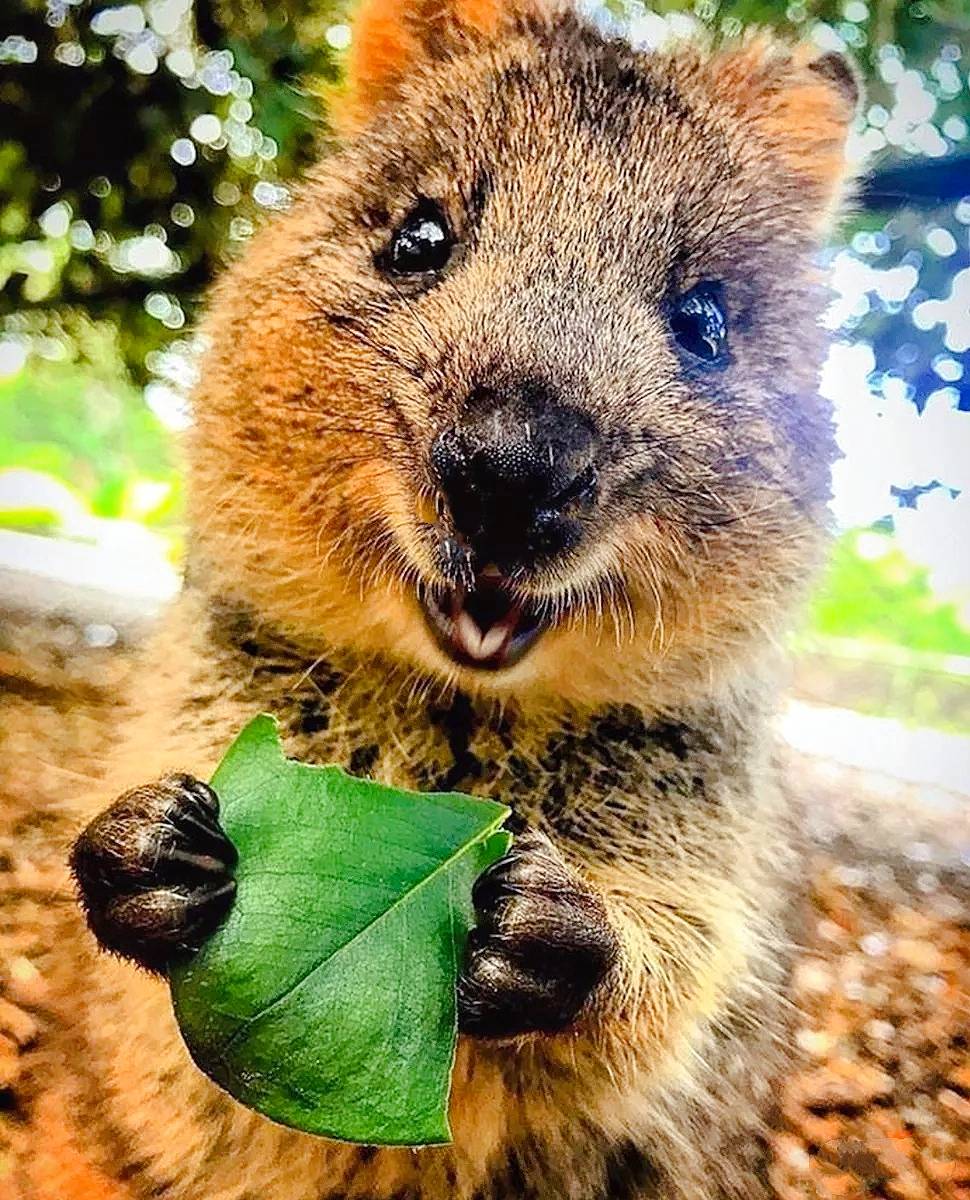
(842, 74)
(391, 36)
(801, 102)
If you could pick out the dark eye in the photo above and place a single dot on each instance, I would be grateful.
(421, 243)
(698, 322)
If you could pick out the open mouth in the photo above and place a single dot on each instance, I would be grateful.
(484, 626)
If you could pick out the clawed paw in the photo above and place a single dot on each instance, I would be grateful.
(154, 871)
(541, 947)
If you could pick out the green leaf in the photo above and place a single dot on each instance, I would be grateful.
(327, 999)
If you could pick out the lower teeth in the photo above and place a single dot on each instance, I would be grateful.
(492, 642)
(462, 632)
(474, 642)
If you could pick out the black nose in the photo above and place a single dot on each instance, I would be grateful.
(516, 472)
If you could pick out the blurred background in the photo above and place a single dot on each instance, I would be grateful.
(141, 143)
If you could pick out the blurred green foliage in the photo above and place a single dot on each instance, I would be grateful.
(873, 592)
(139, 143)
(83, 423)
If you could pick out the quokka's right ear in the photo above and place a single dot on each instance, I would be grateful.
(390, 38)
(799, 101)
(840, 73)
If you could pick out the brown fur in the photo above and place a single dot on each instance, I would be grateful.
(585, 184)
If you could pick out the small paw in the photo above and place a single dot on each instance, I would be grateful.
(154, 871)
(541, 947)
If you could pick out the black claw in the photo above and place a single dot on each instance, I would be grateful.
(205, 912)
(204, 831)
(202, 791)
(477, 937)
(530, 867)
(490, 886)
(187, 862)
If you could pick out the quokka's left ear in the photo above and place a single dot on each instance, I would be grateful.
(392, 38)
(801, 103)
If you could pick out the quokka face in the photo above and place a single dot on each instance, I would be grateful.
(521, 391)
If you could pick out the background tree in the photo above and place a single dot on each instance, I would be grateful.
(138, 141)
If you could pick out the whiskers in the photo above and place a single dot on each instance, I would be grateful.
(703, 493)
(355, 327)
(423, 368)
(599, 605)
